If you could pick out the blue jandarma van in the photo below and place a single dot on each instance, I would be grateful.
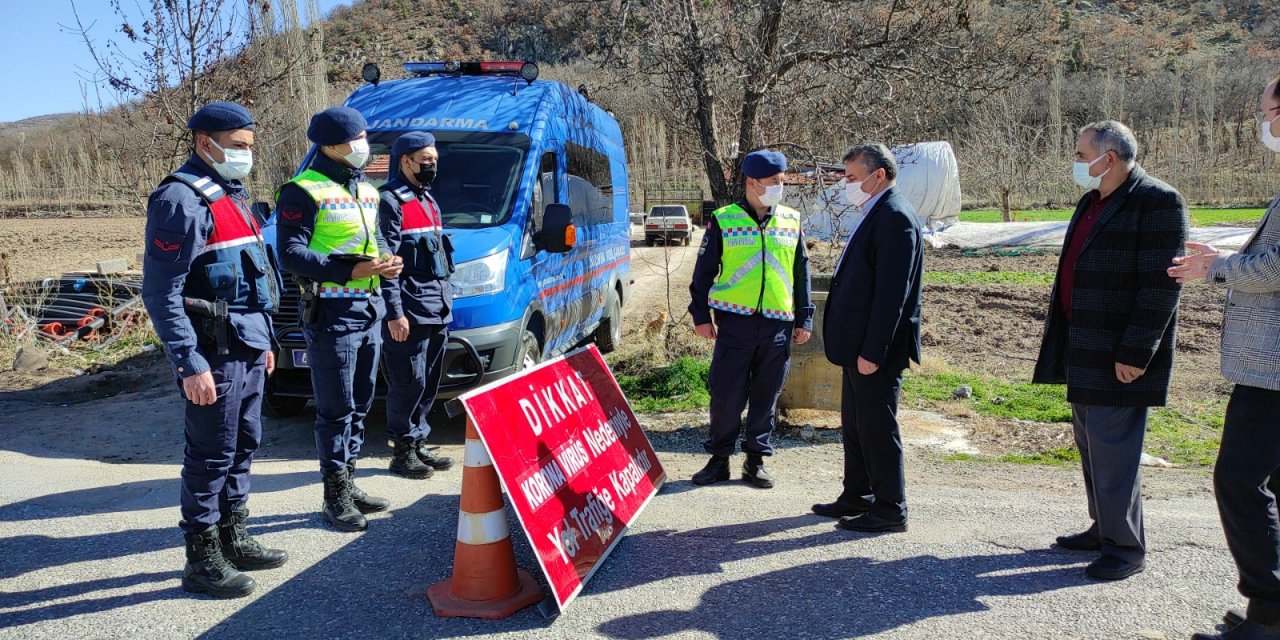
(523, 163)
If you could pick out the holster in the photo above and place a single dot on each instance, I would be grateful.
(310, 299)
(213, 325)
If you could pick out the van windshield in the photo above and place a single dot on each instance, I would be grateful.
(477, 180)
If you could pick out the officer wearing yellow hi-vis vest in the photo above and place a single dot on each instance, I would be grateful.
(753, 272)
(328, 235)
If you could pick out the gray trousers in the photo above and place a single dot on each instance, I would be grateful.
(1110, 443)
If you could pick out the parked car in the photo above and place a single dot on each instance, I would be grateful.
(668, 222)
(520, 159)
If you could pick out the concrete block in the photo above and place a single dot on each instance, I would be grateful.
(113, 266)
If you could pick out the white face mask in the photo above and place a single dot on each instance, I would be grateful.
(854, 194)
(772, 195)
(1269, 140)
(1080, 173)
(359, 155)
(237, 163)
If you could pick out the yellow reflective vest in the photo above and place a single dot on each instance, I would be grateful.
(344, 225)
(757, 264)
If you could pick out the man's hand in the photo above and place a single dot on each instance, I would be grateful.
(867, 367)
(706, 330)
(200, 389)
(399, 329)
(1195, 266)
(384, 267)
(271, 361)
(1127, 374)
(800, 336)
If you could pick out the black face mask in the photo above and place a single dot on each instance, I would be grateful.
(426, 174)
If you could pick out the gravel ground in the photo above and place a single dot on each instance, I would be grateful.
(90, 549)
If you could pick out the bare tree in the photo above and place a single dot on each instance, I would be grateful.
(745, 74)
(1016, 154)
(167, 58)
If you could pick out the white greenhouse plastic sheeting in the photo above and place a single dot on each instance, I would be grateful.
(928, 176)
(983, 235)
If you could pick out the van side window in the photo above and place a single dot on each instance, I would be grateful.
(590, 183)
(544, 190)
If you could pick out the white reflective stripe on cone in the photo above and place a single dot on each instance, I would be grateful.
(474, 455)
(482, 528)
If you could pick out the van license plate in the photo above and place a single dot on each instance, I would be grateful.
(300, 360)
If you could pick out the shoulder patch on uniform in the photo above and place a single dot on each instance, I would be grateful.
(291, 215)
(166, 245)
(403, 194)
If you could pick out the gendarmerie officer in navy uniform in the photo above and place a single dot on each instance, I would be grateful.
(328, 235)
(210, 286)
(419, 304)
(753, 271)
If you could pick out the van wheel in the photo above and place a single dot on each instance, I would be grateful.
(687, 240)
(609, 333)
(274, 406)
(529, 353)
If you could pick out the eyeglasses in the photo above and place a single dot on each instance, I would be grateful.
(1267, 115)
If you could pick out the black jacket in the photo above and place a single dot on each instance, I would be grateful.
(873, 308)
(1124, 306)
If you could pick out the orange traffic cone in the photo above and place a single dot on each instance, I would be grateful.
(485, 582)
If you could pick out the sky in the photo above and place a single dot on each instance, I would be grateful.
(45, 61)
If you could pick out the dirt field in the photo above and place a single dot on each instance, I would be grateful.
(42, 247)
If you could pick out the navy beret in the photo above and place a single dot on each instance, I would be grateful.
(408, 143)
(763, 164)
(220, 116)
(336, 125)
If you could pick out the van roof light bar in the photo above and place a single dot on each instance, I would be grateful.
(527, 71)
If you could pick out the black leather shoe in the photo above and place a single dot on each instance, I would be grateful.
(241, 549)
(1083, 541)
(717, 470)
(871, 524)
(429, 457)
(1246, 630)
(363, 501)
(1112, 568)
(1234, 617)
(839, 509)
(208, 571)
(753, 471)
(406, 463)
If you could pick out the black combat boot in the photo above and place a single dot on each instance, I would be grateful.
(753, 472)
(429, 457)
(717, 470)
(338, 506)
(405, 462)
(207, 571)
(241, 549)
(363, 501)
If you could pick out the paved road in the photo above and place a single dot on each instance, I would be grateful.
(89, 548)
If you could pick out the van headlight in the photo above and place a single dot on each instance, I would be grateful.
(478, 277)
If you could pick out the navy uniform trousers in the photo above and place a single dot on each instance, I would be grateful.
(748, 366)
(344, 369)
(874, 474)
(413, 370)
(222, 437)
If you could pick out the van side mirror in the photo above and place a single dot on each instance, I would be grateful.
(558, 235)
(261, 211)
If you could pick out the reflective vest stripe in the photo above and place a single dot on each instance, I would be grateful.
(757, 263)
